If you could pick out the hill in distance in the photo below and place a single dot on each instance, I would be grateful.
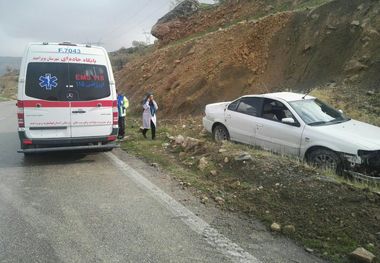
(9, 62)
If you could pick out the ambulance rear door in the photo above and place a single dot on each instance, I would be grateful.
(91, 93)
(47, 112)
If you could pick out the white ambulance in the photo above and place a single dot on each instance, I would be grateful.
(66, 98)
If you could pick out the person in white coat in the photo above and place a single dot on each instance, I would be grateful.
(149, 116)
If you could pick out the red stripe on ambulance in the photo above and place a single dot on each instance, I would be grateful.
(65, 104)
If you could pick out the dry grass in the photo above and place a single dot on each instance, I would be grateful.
(8, 87)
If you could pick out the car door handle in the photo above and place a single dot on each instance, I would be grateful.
(259, 125)
(79, 111)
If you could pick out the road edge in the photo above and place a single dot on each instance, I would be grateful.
(198, 225)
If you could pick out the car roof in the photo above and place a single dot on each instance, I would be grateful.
(287, 96)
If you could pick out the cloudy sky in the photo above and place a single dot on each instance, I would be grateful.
(114, 23)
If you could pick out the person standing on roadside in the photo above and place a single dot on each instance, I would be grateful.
(149, 115)
(122, 105)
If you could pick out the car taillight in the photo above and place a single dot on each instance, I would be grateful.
(111, 138)
(27, 142)
(20, 114)
(115, 113)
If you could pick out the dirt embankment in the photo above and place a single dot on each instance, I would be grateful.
(8, 85)
(335, 42)
(221, 65)
(178, 25)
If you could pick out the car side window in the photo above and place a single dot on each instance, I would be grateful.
(250, 106)
(276, 111)
(233, 105)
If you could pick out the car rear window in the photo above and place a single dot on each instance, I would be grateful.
(66, 82)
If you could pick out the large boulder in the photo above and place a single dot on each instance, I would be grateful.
(361, 255)
(166, 27)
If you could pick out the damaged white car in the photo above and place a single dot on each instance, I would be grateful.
(300, 125)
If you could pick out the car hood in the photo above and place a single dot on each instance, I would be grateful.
(216, 108)
(221, 105)
(363, 135)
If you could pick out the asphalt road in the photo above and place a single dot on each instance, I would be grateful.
(70, 207)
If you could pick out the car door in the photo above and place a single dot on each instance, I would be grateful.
(240, 118)
(274, 135)
(47, 115)
(91, 100)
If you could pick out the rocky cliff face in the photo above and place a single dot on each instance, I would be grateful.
(337, 42)
(168, 27)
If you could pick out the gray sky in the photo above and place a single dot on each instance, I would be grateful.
(115, 23)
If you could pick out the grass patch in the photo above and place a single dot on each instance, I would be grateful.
(205, 6)
(312, 4)
(153, 151)
(193, 37)
(375, 188)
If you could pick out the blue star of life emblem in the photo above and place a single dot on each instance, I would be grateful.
(48, 81)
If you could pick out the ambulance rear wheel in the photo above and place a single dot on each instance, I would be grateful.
(108, 149)
(25, 147)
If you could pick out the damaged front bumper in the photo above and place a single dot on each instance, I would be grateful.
(366, 164)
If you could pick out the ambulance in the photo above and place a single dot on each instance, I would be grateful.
(66, 99)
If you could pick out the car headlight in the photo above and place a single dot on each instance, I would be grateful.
(352, 158)
(370, 157)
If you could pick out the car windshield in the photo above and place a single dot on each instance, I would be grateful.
(315, 112)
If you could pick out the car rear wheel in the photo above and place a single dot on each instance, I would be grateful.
(325, 159)
(220, 133)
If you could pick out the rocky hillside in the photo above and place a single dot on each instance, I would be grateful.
(219, 53)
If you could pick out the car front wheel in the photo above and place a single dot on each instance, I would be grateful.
(220, 133)
(325, 159)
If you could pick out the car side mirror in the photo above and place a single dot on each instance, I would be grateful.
(341, 112)
(288, 121)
